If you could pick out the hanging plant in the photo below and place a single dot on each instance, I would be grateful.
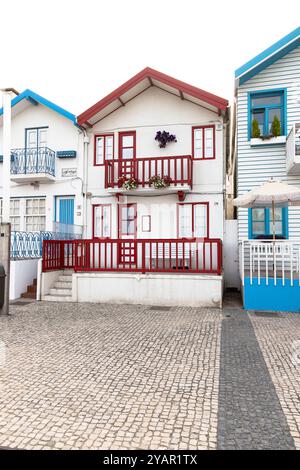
(127, 183)
(164, 138)
(160, 182)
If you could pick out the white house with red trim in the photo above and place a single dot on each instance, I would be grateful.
(155, 152)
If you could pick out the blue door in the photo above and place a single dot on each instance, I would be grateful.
(66, 210)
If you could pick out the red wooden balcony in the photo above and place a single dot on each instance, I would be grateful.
(178, 169)
(183, 256)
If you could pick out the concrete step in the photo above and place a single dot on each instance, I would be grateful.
(58, 298)
(28, 295)
(65, 279)
(60, 292)
(62, 285)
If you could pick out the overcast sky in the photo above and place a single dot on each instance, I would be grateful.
(75, 52)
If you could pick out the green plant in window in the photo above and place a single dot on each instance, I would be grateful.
(276, 129)
(255, 129)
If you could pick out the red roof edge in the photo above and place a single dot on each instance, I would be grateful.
(214, 100)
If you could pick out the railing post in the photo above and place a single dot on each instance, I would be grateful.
(62, 254)
(143, 257)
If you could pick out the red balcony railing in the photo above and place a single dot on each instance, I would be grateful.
(157, 255)
(179, 169)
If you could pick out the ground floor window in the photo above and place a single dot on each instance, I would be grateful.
(260, 222)
(27, 214)
(102, 221)
(35, 218)
(193, 220)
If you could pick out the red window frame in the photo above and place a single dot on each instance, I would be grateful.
(124, 134)
(193, 216)
(120, 233)
(93, 221)
(104, 148)
(213, 127)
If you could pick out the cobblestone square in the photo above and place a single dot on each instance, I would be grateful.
(87, 376)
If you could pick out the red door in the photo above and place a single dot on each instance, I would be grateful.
(127, 154)
(127, 228)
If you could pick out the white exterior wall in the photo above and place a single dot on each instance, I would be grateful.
(257, 164)
(62, 135)
(151, 111)
(157, 289)
(22, 273)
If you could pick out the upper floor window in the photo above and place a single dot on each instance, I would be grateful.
(104, 148)
(261, 222)
(193, 220)
(267, 109)
(35, 215)
(127, 145)
(203, 142)
(36, 137)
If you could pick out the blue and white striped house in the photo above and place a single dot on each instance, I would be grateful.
(268, 146)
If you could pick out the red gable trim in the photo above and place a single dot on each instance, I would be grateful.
(182, 87)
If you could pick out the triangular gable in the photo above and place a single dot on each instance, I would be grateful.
(35, 99)
(268, 57)
(139, 83)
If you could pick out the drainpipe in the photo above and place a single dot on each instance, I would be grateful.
(86, 141)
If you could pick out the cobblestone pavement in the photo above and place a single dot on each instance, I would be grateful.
(100, 376)
(128, 377)
(279, 339)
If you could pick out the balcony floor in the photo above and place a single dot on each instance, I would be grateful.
(32, 178)
(146, 191)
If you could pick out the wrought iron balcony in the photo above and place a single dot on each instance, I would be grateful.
(32, 164)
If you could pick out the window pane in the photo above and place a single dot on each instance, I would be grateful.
(185, 221)
(198, 144)
(100, 148)
(266, 100)
(97, 221)
(106, 221)
(42, 137)
(258, 228)
(208, 135)
(127, 141)
(272, 113)
(200, 212)
(127, 153)
(258, 215)
(109, 148)
(259, 115)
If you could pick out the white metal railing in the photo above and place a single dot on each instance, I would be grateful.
(270, 260)
(293, 148)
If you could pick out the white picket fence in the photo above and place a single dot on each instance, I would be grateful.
(265, 259)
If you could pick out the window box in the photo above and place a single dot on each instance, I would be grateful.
(281, 140)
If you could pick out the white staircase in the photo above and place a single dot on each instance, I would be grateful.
(61, 291)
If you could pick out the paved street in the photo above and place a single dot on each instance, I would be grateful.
(128, 377)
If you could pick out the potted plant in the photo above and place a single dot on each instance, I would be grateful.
(164, 138)
(255, 129)
(276, 128)
(160, 182)
(127, 183)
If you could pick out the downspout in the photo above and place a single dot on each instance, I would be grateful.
(86, 141)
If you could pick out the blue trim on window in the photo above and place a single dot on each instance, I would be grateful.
(267, 92)
(30, 95)
(278, 50)
(285, 223)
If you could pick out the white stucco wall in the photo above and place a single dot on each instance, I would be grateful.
(156, 289)
(22, 273)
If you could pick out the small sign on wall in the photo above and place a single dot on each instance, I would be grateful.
(69, 172)
(146, 223)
